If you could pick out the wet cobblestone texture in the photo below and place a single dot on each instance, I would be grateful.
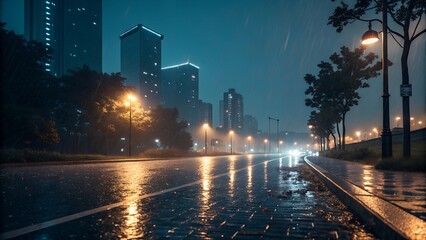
(404, 189)
(281, 199)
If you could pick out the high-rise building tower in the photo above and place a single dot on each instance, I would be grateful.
(205, 113)
(250, 125)
(141, 63)
(72, 29)
(180, 90)
(233, 112)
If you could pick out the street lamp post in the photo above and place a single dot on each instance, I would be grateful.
(278, 130)
(131, 98)
(249, 143)
(370, 37)
(265, 142)
(206, 125)
(397, 121)
(269, 133)
(230, 137)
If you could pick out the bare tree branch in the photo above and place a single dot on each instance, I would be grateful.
(396, 33)
(418, 22)
(418, 34)
(396, 40)
(394, 18)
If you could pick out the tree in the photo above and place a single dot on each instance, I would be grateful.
(165, 126)
(322, 122)
(26, 91)
(404, 13)
(88, 107)
(335, 90)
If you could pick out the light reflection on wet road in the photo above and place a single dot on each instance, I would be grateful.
(29, 192)
(219, 195)
(405, 189)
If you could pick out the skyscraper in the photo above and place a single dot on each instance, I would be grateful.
(72, 29)
(250, 125)
(233, 111)
(141, 63)
(205, 113)
(180, 88)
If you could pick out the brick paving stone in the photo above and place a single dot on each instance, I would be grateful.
(268, 202)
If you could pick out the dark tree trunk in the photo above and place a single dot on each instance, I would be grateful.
(335, 142)
(406, 99)
(343, 131)
(339, 137)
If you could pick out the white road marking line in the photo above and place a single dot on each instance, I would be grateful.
(57, 221)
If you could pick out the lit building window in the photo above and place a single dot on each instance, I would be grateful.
(94, 23)
(47, 13)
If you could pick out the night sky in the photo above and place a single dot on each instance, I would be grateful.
(263, 49)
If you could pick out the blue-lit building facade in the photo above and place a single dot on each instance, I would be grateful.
(141, 63)
(233, 111)
(180, 90)
(72, 29)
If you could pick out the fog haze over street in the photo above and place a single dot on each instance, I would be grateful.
(262, 49)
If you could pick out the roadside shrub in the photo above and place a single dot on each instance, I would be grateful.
(29, 155)
(164, 153)
(365, 155)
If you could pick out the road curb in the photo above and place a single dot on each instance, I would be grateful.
(386, 220)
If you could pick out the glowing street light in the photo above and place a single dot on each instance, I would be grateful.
(279, 148)
(205, 126)
(130, 99)
(370, 37)
(397, 121)
(377, 132)
(230, 137)
(358, 134)
(249, 143)
(264, 145)
(412, 121)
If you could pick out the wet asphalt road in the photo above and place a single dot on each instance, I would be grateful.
(238, 197)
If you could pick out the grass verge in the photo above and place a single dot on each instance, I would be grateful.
(29, 156)
(372, 156)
